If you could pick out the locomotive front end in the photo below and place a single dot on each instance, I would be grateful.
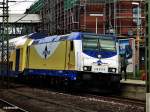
(100, 54)
(100, 58)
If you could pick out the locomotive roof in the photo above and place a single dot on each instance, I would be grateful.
(37, 35)
(22, 39)
(72, 36)
(17, 41)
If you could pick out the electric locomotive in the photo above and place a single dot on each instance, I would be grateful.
(76, 57)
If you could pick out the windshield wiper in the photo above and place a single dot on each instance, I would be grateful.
(99, 46)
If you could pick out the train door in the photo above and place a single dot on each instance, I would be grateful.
(71, 64)
(17, 60)
(27, 57)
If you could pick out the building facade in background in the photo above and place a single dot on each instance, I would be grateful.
(122, 17)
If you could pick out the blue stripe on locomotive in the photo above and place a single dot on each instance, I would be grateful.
(104, 54)
(72, 75)
(10, 74)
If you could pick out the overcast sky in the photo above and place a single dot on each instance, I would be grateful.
(19, 6)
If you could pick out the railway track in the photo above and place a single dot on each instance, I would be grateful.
(118, 99)
(76, 101)
(115, 100)
(9, 107)
(108, 98)
(68, 106)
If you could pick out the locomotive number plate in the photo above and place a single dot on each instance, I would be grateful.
(103, 69)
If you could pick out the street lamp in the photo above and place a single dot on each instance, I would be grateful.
(96, 15)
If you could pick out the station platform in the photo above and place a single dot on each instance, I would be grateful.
(131, 81)
(133, 89)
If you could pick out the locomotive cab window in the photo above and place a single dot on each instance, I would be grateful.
(90, 44)
(98, 43)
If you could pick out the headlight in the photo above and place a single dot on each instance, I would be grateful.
(87, 68)
(113, 70)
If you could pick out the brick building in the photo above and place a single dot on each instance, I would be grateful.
(122, 17)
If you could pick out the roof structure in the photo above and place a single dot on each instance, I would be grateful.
(23, 18)
(37, 6)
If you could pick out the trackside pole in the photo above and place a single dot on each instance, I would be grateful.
(147, 54)
(147, 102)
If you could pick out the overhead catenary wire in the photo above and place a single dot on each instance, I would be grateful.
(22, 10)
